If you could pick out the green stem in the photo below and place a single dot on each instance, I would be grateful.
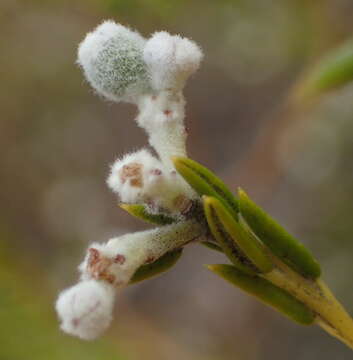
(330, 314)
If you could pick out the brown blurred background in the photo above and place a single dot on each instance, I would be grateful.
(57, 140)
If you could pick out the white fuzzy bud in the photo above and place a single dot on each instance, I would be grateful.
(140, 178)
(112, 59)
(171, 59)
(116, 261)
(85, 309)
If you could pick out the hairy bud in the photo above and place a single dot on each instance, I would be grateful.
(171, 59)
(86, 309)
(112, 59)
(140, 178)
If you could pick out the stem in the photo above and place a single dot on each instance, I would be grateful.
(336, 320)
(172, 146)
(118, 259)
(162, 117)
(331, 315)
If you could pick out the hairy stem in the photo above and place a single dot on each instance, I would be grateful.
(162, 117)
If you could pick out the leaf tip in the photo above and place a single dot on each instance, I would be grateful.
(176, 160)
(242, 193)
(211, 267)
(207, 200)
(124, 206)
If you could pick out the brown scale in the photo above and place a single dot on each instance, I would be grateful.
(98, 265)
(182, 203)
(133, 173)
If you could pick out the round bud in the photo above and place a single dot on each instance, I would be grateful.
(86, 309)
(140, 178)
(171, 59)
(112, 59)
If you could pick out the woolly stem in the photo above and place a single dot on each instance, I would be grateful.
(170, 146)
(116, 261)
(162, 117)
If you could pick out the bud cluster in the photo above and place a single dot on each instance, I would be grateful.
(186, 200)
(121, 65)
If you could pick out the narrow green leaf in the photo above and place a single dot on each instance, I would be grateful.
(140, 212)
(335, 69)
(266, 292)
(212, 246)
(251, 247)
(205, 182)
(159, 266)
(232, 251)
(281, 243)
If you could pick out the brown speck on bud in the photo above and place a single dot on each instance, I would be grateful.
(182, 203)
(98, 266)
(93, 257)
(156, 172)
(110, 278)
(133, 173)
(154, 97)
(119, 259)
(167, 112)
(136, 182)
(150, 259)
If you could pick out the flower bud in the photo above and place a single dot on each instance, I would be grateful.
(171, 59)
(86, 309)
(140, 178)
(111, 57)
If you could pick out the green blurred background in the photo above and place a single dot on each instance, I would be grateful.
(57, 140)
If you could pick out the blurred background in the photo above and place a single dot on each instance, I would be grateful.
(57, 140)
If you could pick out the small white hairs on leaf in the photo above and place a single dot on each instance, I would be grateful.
(171, 59)
(112, 59)
(85, 309)
(141, 178)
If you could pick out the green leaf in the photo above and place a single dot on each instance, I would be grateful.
(232, 251)
(212, 246)
(159, 266)
(266, 292)
(205, 182)
(250, 246)
(335, 69)
(140, 212)
(281, 243)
